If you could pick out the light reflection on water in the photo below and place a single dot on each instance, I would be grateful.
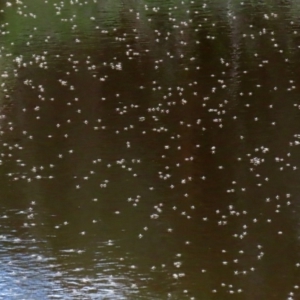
(149, 150)
(30, 271)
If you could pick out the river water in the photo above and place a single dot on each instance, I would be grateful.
(149, 150)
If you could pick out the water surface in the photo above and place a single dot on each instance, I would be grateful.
(149, 150)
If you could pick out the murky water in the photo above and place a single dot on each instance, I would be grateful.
(150, 150)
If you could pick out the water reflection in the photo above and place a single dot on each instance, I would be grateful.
(32, 269)
(149, 150)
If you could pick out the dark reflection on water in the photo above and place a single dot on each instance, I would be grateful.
(149, 150)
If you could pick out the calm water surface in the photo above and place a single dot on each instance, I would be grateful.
(149, 150)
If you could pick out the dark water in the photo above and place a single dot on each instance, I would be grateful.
(149, 150)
